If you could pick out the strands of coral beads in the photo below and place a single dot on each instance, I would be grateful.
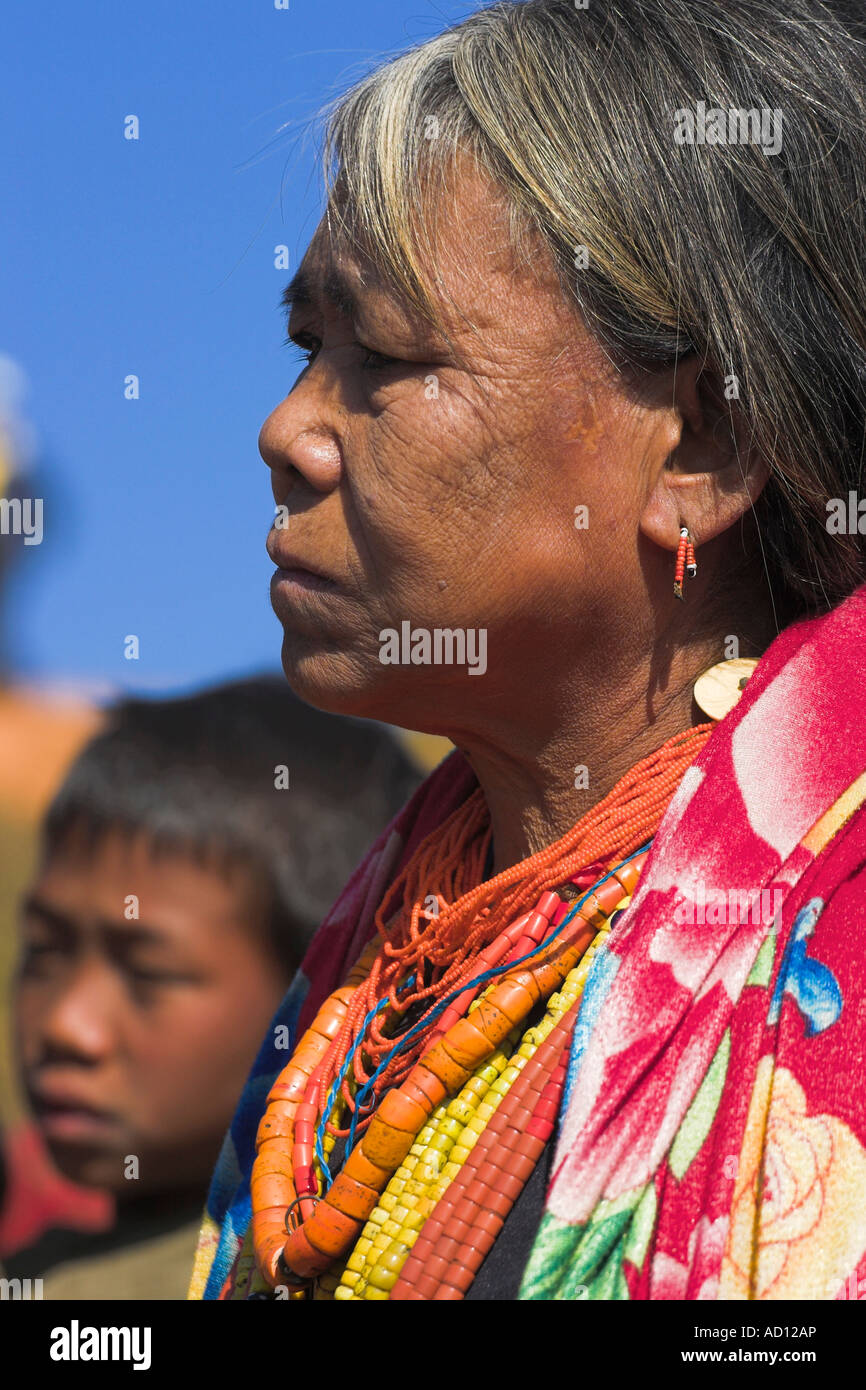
(383, 1267)
(467, 1153)
(464, 1224)
(448, 944)
(298, 1235)
(337, 1220)
(446, 1066)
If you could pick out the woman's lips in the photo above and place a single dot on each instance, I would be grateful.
(296, 587)
(293, 578)
(300, 597)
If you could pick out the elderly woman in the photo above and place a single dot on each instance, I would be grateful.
(583, 326)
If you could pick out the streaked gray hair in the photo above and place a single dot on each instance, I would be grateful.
(755, 261)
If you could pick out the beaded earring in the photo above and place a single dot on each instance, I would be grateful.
(686, 562)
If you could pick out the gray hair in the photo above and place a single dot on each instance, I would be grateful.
(753, 259)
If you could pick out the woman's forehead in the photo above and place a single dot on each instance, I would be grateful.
(465, 257)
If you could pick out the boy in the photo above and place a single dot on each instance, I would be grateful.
(187, 859)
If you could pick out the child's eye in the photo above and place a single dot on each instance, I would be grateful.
(140, 976)
(37, 955)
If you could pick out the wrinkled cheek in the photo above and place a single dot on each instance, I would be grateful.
(422, 454)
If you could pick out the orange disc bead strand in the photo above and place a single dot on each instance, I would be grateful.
(272, 1187)
(336, 1223)
(453, 945)
(460, 1231)
(450, 1062)
(450, 941)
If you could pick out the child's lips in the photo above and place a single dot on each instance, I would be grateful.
(63, 1116)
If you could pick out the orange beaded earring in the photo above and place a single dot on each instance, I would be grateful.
(686, 562)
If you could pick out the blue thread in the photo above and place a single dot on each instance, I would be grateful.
(332, 1094)
(362, 1094)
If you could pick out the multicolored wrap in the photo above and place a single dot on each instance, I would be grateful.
(712, 1140)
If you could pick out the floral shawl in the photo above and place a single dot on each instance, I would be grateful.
(713, 1137)
(712, 1141)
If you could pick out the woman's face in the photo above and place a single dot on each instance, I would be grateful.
(442, 496)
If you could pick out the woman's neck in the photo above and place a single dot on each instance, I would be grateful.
(540, 776)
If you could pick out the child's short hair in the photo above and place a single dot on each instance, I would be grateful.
(242, 774)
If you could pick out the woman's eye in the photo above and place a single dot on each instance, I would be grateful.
(377, 361)
(306, 347)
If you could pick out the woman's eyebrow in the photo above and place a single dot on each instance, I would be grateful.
(345, 294)
(336, 288)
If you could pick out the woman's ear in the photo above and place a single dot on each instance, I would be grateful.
(709, 478)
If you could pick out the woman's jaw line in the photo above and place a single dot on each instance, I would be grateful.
(545, 756)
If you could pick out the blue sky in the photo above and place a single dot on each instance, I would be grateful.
(155, 257)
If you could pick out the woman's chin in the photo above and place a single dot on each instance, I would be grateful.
(355, 683)
(338, 682)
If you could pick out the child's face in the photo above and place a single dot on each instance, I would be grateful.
(136, 1028)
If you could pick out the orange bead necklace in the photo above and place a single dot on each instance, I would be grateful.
(444, 945)
(438, 924)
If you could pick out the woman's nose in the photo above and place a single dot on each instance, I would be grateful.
(294, 446)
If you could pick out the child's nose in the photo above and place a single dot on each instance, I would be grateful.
(78, 1022)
